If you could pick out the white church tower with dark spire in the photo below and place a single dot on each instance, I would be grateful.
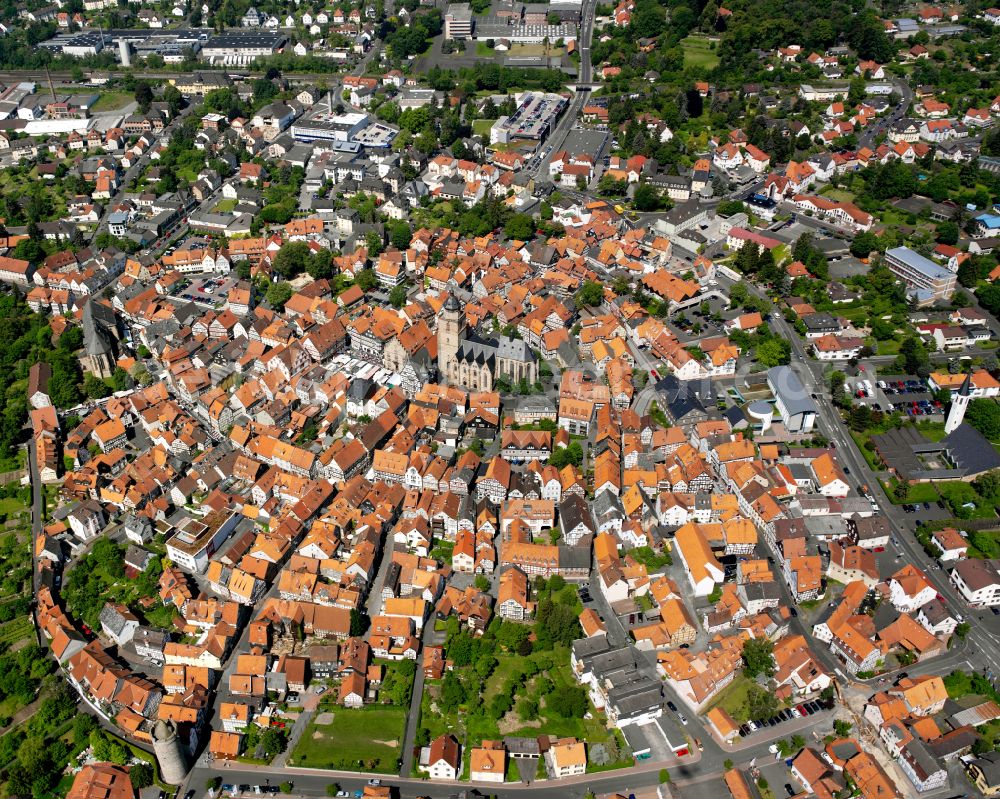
(959, 405)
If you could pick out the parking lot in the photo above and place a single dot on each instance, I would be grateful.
(788, 714)
(208, 289)
(908, 394)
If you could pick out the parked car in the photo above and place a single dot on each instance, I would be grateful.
(672, 706)
(789, 789)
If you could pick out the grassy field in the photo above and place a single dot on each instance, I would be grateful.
(112, 101)
(368, 739)
(956, 493)
(888, 347)
(733, 699)
(534, 50)
(697, 53)
(481, 127)
(839, 195)
(12, 506)
(224, 207)
(932, 430)
(921, 492)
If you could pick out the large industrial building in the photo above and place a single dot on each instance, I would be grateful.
(534, 118)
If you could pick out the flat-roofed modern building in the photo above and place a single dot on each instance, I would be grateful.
(458, 21)
(534, 118)
(323, 125)
(926, 281)
(798, 411)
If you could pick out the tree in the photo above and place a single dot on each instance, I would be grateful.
(664, 776)
(452, 692)
(359, 623)
(141, 775)
(400, 235)
(758, 657)
(278, 294)
(646, 198)
(590, 294)
(568, 701)
(366, 280)
(263, 91)
(143, 96)
(95, 387)
(864, 244)
(773, 351)
(397, 297)
(728, 208)
(842, 728)
(913, 354)
(947, 233)
(567, 456)
(291, 259)
(272, 742)
(761, 703)
(173, 97)
(373, 243)
(520, 227)
(984, 415)
(727, 764)
(119, 379)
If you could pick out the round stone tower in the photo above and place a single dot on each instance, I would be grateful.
(169, 753)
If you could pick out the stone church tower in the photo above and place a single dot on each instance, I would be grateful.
(170, 756)
(449, 336)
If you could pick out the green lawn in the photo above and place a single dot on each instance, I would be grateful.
(857, 315)
(984, 544)
(920, 492)
(839, 195)
(481, 127)
(932, 430)
(368, 739)
(112, 101)
(733, 699)
(161, 616)
(957, 493)
(18, 460)
(482, 51)
(225, 206)
(12, 505)
(888, 347)
(697, 53)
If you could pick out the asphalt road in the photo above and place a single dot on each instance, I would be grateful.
(137, 168)
(984, 638)
(558, 136)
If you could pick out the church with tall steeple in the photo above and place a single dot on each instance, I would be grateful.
(474, 363)
(959, 405)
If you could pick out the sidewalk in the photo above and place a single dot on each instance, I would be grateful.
(305, 716)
